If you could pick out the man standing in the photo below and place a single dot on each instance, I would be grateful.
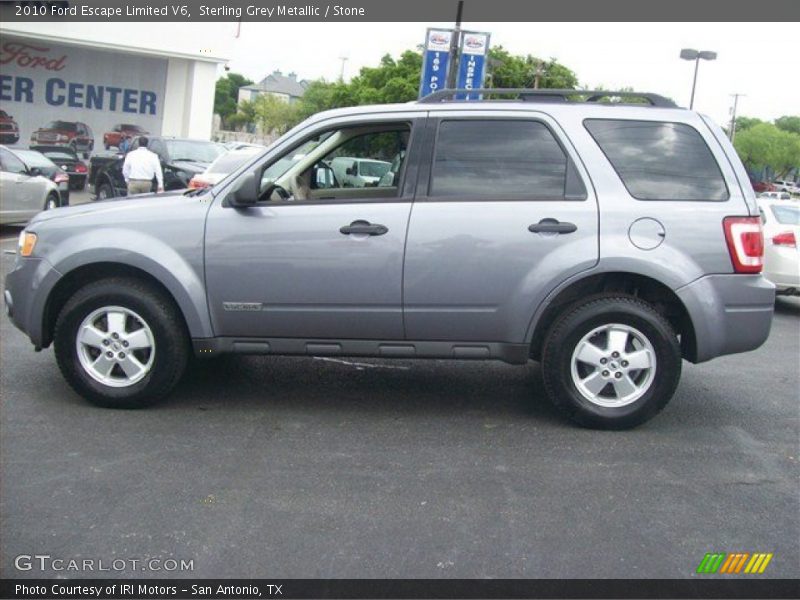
(140, 167)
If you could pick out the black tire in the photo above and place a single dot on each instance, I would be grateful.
(53, 200)
(584, 317)
(104, 191)
(171, 349)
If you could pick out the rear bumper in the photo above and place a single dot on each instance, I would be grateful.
(730, 313)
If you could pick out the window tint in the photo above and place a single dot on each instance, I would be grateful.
(498, 158)
(11, 163)
(660, 161)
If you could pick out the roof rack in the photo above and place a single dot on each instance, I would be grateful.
(530, 95)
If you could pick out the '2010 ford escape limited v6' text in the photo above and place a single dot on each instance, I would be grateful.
(607, 240)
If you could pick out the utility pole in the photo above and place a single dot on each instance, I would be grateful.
(344, 59)
(732, 130)
(455, 43)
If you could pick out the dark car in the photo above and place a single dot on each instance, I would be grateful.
(37, 161)
(69, 163)
(9, 130)
(111, 139)
(181, 159)
(762, 186)
(73, 134)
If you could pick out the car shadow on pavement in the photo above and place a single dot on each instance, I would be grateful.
(787, 305)
(368, 385)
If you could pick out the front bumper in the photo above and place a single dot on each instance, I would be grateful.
(28, 286)
(730, 313)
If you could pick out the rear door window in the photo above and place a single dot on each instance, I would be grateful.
(492, 158)
(659, 160)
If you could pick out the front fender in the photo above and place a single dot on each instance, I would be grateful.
(177, 266)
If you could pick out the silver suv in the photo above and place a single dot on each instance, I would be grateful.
(607, 240)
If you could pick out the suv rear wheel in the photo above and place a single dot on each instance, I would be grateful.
(611, 362)
(121, 343)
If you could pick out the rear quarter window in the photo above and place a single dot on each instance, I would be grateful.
(658, 160)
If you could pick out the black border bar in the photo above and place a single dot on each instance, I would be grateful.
(412, 10)
(733, 587)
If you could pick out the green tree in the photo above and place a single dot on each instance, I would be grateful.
(275, 115)
(790, 124)
(226, 95)
(764, 145)
(511, 71)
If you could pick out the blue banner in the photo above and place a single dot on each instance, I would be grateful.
(472, 63)
(435, 61)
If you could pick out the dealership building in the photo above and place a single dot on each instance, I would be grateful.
(102, 75)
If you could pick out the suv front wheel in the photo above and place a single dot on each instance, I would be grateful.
(121, 343)
(611, 362)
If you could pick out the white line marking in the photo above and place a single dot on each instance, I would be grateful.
(359, 365)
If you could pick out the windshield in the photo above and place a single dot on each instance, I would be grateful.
(787, 215)
(373, 169)
(63, 125)
(34, 159)
(192, 150)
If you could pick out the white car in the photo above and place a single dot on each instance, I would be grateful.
(787, 186)
(224, 165)
(359, 172)
(23, 191)
(781, 223)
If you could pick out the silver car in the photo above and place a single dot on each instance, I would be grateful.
(609, 242)
(24, 191)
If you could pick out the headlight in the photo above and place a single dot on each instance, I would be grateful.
(27, 241)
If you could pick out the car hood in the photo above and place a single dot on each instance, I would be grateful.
(116, 209)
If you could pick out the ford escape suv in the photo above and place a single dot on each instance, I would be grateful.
(607, 240)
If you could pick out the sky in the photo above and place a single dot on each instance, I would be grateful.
(759, 60)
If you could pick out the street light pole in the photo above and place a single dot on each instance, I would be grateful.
(732, 131)
(691, 54)
(454, 44)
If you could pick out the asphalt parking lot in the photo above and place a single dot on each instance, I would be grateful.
(304, 467)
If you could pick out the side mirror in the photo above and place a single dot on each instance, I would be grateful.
(35, 172)
(245, 193)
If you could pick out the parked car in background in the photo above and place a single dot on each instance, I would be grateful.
(359, 172)
(762, 186)
(776, 195)
(181, 159)
(9, 130)
(69, 162)
(223, 166)
(786, 186)
(24, 191)
(36, 160)
(111, 139)
(241, 145)
(607, 242)
(75, 135)
(780, 220)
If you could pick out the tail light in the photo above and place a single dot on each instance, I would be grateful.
(196, 184)
(785, 238)
(745, 243)
(61, 178)
(80, 168)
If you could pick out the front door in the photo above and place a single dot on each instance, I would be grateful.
(315, 259)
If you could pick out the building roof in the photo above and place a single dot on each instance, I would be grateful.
(278, 83)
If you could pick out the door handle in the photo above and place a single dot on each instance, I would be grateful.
(552, 226)
(364, 227)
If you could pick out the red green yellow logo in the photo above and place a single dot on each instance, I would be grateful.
(734, 563)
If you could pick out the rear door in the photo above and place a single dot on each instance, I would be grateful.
(504, 212)
(20, 194)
